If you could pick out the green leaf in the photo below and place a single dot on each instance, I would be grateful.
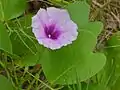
(5, 84)
(5, 43)
(96, 27)
(28, 60)
(79, 12)
(10, 9)
(63, 65)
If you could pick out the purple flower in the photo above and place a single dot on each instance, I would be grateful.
(53, 28)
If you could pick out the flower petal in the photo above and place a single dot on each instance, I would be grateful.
(43, 16)
(71, 27)
(66, 39)
(36, 23)
(69, 33)
(49, 43)
(59, 15)
(39, 33)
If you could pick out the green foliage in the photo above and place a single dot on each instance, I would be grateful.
(116, 85)
(5, 43)
(110, 75)
(79, 12)
(29, 50)
(113, 55)
(28, 60)
(5, 84)
(10, 9)
(70, 65)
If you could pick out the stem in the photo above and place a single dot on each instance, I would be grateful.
(10, 30)
(4, 66)
(16, 79)
(40, 81)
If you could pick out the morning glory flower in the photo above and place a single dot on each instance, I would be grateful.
(53, 28)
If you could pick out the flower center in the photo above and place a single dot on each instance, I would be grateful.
(52, 32)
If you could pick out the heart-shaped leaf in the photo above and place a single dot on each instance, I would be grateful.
(62, 66)
(77, 60)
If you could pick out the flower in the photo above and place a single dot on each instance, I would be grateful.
(53, 28)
